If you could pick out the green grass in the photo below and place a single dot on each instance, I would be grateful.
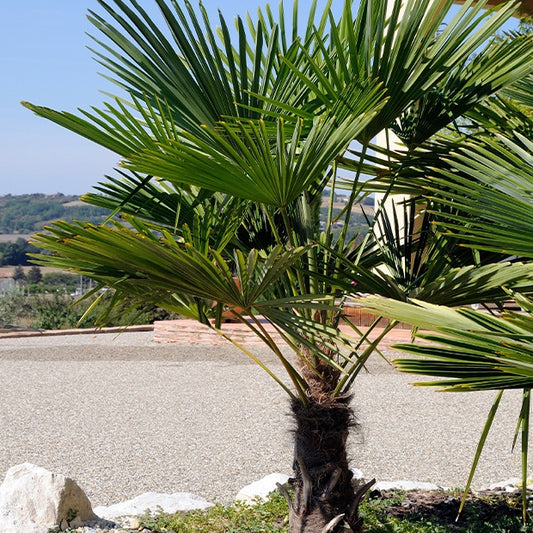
(266, 517)
(488, 515)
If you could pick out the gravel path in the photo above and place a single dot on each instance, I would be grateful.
(124, 415)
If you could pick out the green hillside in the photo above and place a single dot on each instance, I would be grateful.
(26, 213)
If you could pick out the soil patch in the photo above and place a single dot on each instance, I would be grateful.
(442, 507)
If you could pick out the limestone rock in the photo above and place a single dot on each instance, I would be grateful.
(153, 501)
(509, 485)
(33, 499)
(262, 488)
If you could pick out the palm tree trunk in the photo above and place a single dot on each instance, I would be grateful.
(324, 499)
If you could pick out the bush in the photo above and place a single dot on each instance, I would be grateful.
(14, 304)
(54, 311)
(25, 306)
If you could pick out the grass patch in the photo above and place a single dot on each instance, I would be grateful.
(267, 517)
(396, 512)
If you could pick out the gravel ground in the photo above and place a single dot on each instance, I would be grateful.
(123, 415)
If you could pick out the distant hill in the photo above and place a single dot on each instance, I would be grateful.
(26, 213)
(22, 215)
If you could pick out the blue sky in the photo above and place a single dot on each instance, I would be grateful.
(44, 60)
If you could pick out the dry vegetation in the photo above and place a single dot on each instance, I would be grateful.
(44, 270)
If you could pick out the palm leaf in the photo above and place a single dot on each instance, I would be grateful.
(171, 208)
(177, 276)
(248, 160)
(491, 180)
(522, 91)
(189, 69)
(392, 53)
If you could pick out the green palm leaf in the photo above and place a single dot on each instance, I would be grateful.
(268, 163)
(491, 180)
(522, 91)
(213, 218)
(416, 54)
(179, 277)
(200, 78)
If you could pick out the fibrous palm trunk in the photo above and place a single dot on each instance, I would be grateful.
(324, 499)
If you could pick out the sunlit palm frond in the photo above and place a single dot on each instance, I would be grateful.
(132, 259)
(259, 161)
(201, 76)
(490, 182)
(522, 91)
(177, 276)
(473, 349)
(503, 115)
(417, 53)
(223, 120)
(496, 66)
(271, 164)
(411, 258)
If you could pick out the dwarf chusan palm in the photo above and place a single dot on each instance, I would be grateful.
(229, 140)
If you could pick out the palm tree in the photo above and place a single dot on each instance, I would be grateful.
(228, 145)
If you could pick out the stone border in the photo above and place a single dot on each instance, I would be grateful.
(192, 332)
(79, 331)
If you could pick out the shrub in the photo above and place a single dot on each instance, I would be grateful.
(13, 304)
(54, 311)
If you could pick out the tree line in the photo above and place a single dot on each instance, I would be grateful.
(15, 253)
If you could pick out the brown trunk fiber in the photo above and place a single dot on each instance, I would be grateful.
(324, 500)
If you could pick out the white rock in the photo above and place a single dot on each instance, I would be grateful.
(153, 502)
(11, 526)
(261, 489)
(509, 485)
(405, 485)
(33, 499)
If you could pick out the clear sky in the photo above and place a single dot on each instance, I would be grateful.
(44, 59)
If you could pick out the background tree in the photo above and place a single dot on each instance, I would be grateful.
(18, 275)
(14, 253)
(228, 145)
(34, 275)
